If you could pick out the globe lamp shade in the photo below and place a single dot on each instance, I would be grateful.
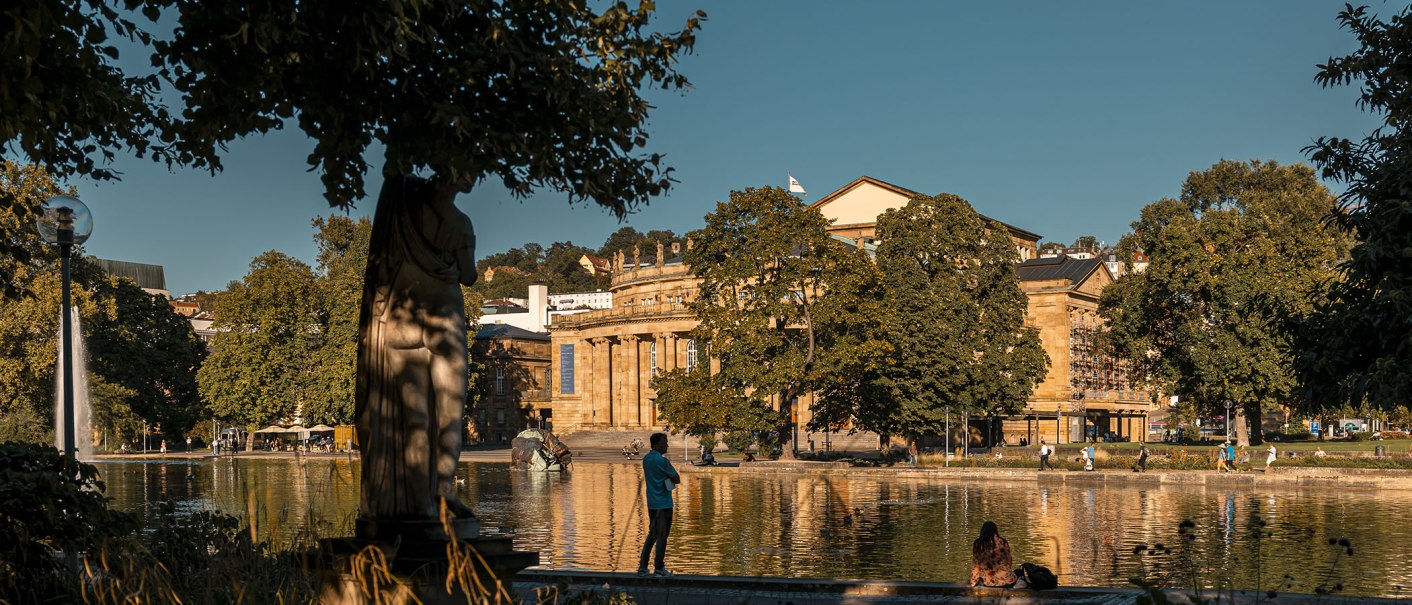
(64, 212)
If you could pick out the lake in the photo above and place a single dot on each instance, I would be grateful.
(843, 526)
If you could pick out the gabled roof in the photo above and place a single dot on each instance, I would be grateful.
(1064, 267)
(489, 331)
(905, 192)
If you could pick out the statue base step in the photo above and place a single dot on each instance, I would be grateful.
(358, 571)
(385, 530)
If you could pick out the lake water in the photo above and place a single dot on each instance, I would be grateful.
(847, 526)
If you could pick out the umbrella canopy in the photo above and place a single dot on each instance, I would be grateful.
(321, 428)
(273, 428)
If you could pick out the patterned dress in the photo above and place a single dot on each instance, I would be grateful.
(991, 564)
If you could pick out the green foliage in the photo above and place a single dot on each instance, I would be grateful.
(23, 188)
(66, 100)
(777, 301)
(266, 329)
(49, 504)
(1241, 252)
(23, 424)
(147, 356)
(954, 320)
(532, 93)
(1354, 349)
(343, 254)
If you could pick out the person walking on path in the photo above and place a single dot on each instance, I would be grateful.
(1044, 453)
(661, 479)
(1141, 458)
(991, 563)
(1090, 457)
(1231, 456)
(1270, 457)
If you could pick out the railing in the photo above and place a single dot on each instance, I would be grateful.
(622, 313)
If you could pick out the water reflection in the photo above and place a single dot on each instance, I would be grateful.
(845, 526)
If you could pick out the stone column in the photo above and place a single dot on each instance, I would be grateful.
(602, 383)
(668, 352)
(632, 369)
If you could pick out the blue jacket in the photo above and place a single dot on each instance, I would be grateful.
(657, 470)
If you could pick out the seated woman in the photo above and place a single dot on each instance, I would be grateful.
(991, 564)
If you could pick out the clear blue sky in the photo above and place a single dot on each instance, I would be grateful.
(1063, 118)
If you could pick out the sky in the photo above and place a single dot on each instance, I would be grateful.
(1061, 118)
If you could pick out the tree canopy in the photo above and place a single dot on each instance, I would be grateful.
(142, 357)
(1355, 349)
(953, 318)
(1232, 260)
(532, 93)
(775, 293)
(265, 330)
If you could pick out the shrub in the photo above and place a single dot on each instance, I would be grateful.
(52, 513)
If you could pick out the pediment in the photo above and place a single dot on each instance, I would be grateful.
(861, 201)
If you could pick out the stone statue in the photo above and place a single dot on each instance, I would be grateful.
(661, 255)
(412, 356)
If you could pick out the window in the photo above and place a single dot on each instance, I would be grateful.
(690, 355)
(500, 418)
(499, 381)
(548, 378)
(566, 369)
(652, 359)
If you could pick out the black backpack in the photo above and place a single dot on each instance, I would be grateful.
(1038, 576)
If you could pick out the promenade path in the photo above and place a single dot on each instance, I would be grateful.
(736, 590)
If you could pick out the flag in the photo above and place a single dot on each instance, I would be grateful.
(794, 186)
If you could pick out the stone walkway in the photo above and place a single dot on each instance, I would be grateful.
(736, 590)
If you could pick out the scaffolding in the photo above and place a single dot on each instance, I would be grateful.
(1093, 372)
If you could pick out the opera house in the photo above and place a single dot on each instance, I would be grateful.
(603, 361)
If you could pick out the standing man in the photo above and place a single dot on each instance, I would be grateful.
(1141, 458)
(661, 479)
(1044, 452)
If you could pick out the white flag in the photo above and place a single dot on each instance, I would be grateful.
(794, 186)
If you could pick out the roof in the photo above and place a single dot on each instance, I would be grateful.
(908, 193)
(1058, 267)
(151, 277)
(489, 331)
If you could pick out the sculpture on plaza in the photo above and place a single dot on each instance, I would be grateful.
(412, 356)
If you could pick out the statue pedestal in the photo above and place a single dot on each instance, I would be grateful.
(409, 562)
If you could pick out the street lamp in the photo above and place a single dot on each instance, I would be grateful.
(64, 221)
(1229, 405)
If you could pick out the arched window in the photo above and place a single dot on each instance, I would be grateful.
(691, 355)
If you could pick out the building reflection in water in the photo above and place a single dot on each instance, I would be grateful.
(837, 525)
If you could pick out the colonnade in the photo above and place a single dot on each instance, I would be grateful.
(619, 386)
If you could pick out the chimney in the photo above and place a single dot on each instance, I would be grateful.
(539, 305)
(676, 248)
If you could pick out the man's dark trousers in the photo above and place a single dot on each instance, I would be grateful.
(659, 524)
(1044, 461)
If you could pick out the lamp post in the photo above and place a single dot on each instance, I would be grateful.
(65, 222)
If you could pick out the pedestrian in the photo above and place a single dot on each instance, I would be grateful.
(164, 446)
(1141, 458)
(1270, 457)
(912, 454)
(1231, 456)
(661, 478)
(1221, 457)
(991, 562)
(1044, 453)
(1090, 457)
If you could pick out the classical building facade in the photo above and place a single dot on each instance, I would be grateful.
(514, 383)
(603, 361)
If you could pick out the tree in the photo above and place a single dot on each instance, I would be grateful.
(1086, 242)
(1242, 250)
(621, 240)
(141, 348)
(955, 317)
(775, 290)
(1354, 351)
(266, 329)
(343, 252)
